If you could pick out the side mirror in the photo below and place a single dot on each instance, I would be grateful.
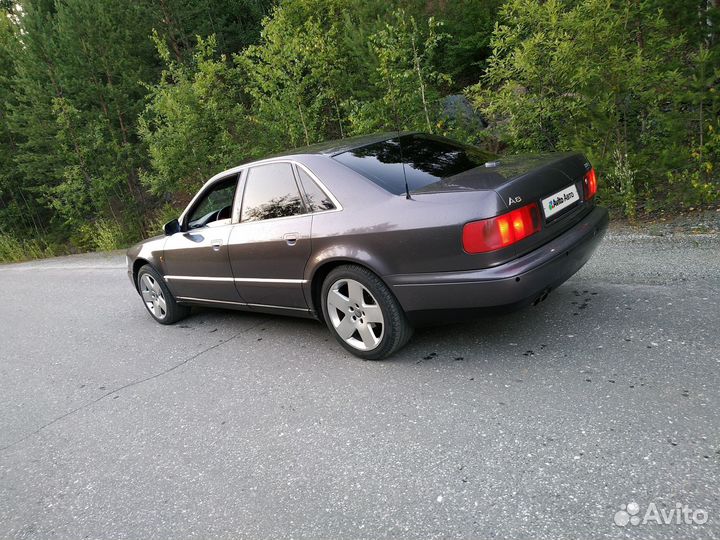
(172, 227)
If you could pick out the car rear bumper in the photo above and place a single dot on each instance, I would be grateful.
(514, 284)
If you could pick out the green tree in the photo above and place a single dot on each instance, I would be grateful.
(113, 113)
(298, 73)
(407, 82)
(598, 75)
(196, 122)
(235, 23)
(76, 91)
(470, 23)
(18, 210)
(32, 83)
(80, 74)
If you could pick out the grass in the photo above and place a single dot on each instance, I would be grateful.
(15, 250)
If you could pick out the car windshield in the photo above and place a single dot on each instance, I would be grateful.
(427, 159)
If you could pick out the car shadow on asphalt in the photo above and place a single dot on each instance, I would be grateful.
(524, 333)
(486, 337)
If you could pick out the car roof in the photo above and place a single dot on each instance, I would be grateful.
(327, 148)
(338, 146)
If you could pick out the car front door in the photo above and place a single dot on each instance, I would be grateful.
(196, 259)
(270, 246)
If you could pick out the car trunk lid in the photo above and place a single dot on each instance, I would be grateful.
(538, 178)
(552, 181)
(518, 179)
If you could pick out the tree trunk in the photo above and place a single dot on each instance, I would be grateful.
(339, 119)
(712, 32)
(416, 61)
(302, 119)
(170, 24)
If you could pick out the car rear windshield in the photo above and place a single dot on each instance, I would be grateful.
(428, 159)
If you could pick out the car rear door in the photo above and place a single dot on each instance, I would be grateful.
(196, 259)
(270, 246)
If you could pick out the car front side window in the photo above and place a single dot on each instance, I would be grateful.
(271, 192)
(215, 206)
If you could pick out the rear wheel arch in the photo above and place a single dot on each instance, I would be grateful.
(364, 315)
(318, 278)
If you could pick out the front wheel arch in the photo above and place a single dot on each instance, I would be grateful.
(137, 265)
(173, 311)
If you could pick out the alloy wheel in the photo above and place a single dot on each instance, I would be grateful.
(355, 314)
(153, 296)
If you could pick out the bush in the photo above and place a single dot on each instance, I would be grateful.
(104, 235)
(166, 213)
(14, 250)
(612, 81)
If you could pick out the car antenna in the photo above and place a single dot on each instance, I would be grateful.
(402, 162)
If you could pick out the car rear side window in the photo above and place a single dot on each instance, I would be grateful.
(271, 192)
(427, 159)
(317, 199)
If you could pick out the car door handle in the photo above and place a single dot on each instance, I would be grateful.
(291, 238)
(216, 244)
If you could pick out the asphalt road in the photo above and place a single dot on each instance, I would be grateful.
(232, 425)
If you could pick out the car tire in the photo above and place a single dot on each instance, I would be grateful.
(362, 313)
(157, 298)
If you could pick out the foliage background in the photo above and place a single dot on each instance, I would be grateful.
(113, 113)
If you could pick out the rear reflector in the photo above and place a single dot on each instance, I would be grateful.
(501, 231)
(590, 184)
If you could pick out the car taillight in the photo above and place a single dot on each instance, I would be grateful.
(501, 231)
(590, 184)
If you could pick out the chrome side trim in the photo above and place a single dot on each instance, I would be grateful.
(237, 280)
(279, 307)
(197, 278)
(192, 299)
(269, 280)
(207, 300)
